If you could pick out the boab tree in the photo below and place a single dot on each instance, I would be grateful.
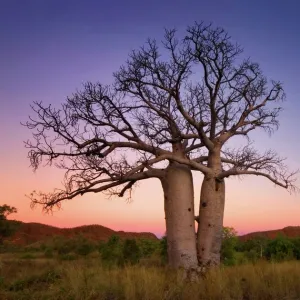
(159, 110)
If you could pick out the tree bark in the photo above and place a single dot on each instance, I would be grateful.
(179, 211)
(211, 214)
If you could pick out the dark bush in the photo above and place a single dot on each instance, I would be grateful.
(131, 251)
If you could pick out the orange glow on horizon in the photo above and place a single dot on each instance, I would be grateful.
(251, 205)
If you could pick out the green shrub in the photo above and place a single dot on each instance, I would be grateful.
(83, 246)
(68, 256)
(27, 255)
(131, 252)
(63, 245)
(147, 247)
(252, 255)
(48, 253)
(228, 249)
(280, 249)
(112, 251)
(296, 248)
(164, 249)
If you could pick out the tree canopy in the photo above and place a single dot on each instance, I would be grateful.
(171, 101)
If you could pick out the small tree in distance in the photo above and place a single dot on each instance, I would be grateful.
(7, 228)
(229, 242)
(6, 210)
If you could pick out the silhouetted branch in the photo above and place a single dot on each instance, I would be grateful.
(248, 161)
(233, 98)
(49, 200)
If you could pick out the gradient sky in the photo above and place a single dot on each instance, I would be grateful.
(48, 48)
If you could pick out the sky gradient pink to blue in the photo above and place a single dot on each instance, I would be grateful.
(49, 48)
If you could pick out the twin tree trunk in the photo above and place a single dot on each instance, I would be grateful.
(183, 248)
(211, 213)
(180, 218)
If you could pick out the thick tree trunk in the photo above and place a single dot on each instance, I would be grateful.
(179, 211)
(211, 213)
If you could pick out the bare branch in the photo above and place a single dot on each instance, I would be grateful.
(234, 97)
(248, 161)
(285, 180)
(50, 200)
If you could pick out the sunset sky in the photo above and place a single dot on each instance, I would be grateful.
(48, 48)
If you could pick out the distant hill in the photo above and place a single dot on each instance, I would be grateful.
(290, 231)
(28, 233)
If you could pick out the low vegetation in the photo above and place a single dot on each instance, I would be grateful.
(78, 268)
(90, 279)
(235, 251)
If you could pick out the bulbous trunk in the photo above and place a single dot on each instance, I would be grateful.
(180, 218)
(211, 214)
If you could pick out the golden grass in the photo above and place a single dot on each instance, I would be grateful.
(88, 279)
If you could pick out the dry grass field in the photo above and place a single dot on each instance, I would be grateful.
(40, 279)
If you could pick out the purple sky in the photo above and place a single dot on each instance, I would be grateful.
(48, 48)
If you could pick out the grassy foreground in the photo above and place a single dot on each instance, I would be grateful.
(87, 279)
